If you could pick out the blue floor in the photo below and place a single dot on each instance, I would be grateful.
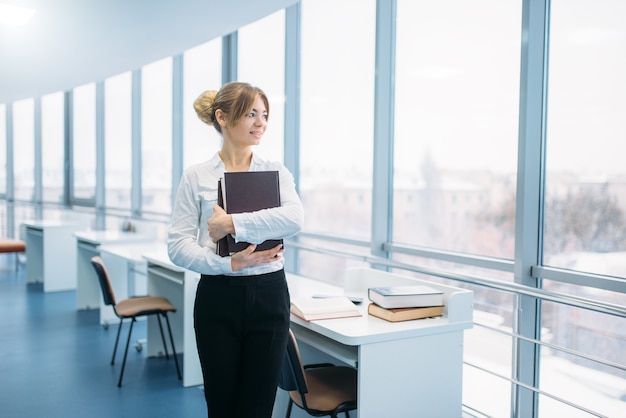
(55, 361)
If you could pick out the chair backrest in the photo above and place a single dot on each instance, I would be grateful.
(108, 295)
(292, 373)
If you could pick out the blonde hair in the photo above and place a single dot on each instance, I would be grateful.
(235, 99)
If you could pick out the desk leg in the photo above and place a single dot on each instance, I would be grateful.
(182, 296)
(87, 286)
(410, 377)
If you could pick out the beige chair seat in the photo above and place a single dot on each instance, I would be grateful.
(144, 305)
(328, 387)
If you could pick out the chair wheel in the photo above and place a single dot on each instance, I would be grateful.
(138, 347)
(105, 325)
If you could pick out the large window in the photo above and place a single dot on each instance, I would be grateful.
(118, 140)
(84, 143)
(456, 125)
(3, 154)
(585, 196)
(202, 71)
(24, 149)
(53, 146)
(156, 136)
(261, 62)
(336, 125)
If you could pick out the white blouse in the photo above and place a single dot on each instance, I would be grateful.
(189, 244)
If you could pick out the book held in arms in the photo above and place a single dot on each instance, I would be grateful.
(411, 296)
(247, 191)
(311, 309)
(404, 314)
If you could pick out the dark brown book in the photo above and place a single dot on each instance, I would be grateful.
(247, 191)
(404, 314)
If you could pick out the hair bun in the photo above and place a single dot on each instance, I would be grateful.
(203, 106)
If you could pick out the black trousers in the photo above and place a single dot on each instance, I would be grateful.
(242, 325)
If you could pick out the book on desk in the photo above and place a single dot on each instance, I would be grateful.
(409, 296)
(247, 191)
(404, 314)
(312, 309)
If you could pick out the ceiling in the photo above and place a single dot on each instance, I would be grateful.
(72, 42)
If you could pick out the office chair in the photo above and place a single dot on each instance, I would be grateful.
(321, 389)
(133, 308)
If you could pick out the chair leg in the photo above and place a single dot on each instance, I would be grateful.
(117, 339)
(162, 335)
(169, 329)
(130, 331)
(288, 415)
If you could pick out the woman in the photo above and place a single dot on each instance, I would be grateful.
(241, 313)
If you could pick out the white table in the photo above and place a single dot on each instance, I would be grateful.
(128, 272)
(51, 253)
(406, 369)
(179, 286)
(86, 245)
(403, 367)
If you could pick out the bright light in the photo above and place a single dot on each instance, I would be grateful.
(15, 15)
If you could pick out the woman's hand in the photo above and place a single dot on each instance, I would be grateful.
(220, 224)
(248, 257)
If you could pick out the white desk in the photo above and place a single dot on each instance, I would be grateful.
(88, 294)
(406, 368)
(128, 272)
(50, 254)
(179, 286)
(403, 367)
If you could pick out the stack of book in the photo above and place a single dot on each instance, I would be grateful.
(404, 303)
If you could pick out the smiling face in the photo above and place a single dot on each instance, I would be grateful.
(250, 128)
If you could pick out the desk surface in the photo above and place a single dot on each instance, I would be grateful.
(52, 223)
(368, 329)
(109, 236)
(134, 251)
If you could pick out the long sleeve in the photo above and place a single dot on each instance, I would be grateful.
(189, 243)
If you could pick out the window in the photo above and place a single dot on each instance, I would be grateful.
(24, 149)
(202, 71)
(3, 154)
(261, 62)
(118, 140)
(336, 127)
(156, 136)
(53, 146)
(456, 125)
(585, 197)
(84, 143)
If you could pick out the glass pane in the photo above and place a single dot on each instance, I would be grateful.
(493, 322)
(118, 140)
(264, 67)
(581, 379)
(84, 145)
(456, 125)
(156, 136)
(337, 113)
(53, 146)
(585, 203)
(24, 149)
(202, 71)
(3, 154)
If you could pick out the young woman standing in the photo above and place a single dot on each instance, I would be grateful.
(241, 313)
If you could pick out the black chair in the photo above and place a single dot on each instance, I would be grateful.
(133, 308)
(320, 389)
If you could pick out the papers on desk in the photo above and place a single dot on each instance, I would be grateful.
(311, 309)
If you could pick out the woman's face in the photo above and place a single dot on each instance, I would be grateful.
(250, 129)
